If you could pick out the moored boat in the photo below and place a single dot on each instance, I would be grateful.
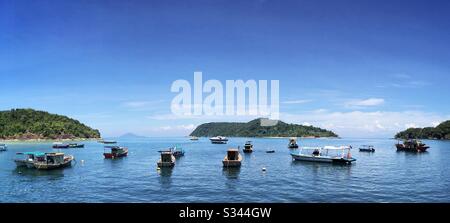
(108, 141)
(167, 159)
(412, 145)
(54, 161)
(113, 152)
(232, 159)
(177, 151)
(367, 148)
(27, 159)
(219, 140)
(327, 154)
(3, 147)
(60, 145)
(248, 147)
(76, 145)
(194, 138)
(293, 143)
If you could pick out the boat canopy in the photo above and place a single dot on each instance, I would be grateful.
(32, 153)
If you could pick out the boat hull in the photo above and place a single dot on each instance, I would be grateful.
(115, 155)
(166, 164)
(45, 166)
(367, 150)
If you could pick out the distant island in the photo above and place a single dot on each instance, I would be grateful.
(442, 131)
(254, 129)
(131, 136)
(29, 124)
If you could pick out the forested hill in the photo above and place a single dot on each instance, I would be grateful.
(26, 124)
(442, 131)
(254, 129)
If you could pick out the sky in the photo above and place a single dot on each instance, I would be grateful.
(360, 68)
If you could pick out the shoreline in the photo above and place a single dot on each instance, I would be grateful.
(47, 140)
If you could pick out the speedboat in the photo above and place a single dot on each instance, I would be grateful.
(60, 145)
(248, 147)
(76, 145)
(327, 154)
(367, 148)
(219, 140)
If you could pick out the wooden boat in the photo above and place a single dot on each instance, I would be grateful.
(327, 154)
(3, 147)
(54, 161)
(248, 147)
(412, 145)
(367, 148)
(219, 140)
(44, 161)
(167, 160)
(177, 151)
(293, 143)
(76, 145)
(232, 159)
(113, 152)
(60, 145)
(27, 159)
(108, 141)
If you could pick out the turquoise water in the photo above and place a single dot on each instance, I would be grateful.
(384, 176)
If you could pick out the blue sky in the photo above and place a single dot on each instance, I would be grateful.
(360, 68)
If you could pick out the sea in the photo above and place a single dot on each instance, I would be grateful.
(385, 176)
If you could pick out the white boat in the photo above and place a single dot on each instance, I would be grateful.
(219, 140)
(3, 147)
(327, 154)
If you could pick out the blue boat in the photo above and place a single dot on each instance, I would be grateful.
(177, 151)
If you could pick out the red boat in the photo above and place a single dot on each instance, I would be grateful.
(115, 152)
(412, 145)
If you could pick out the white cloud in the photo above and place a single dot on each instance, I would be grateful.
(303, 101)
(366, 124)
(365, 102)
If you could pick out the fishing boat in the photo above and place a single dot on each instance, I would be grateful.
(177, 151)
(167, 160)
(76, 145)
(113, 152)
(194, 138)
(108, 141)
(60, 145)
(44, 161)
(248, 147)
(412, 145)
(327, 154)
(54, 161)
(367, 148)
(219, 140)
(293, 143)
(232, 159)
(3, 147)
(27, 159)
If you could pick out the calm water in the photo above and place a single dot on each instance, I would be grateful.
(385, 176)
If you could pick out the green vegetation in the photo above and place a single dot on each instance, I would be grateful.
(31, 124)
(254, 129)
(442, 131)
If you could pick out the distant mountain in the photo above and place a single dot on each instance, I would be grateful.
(25, 124)
(254, 129)
(131, 136)
(442, 131)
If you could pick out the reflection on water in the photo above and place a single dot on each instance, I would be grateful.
(165, 178)
(53, 174)
(231, 173)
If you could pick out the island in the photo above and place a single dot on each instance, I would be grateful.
(255, 129)
(442, 131)
(29, 124)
